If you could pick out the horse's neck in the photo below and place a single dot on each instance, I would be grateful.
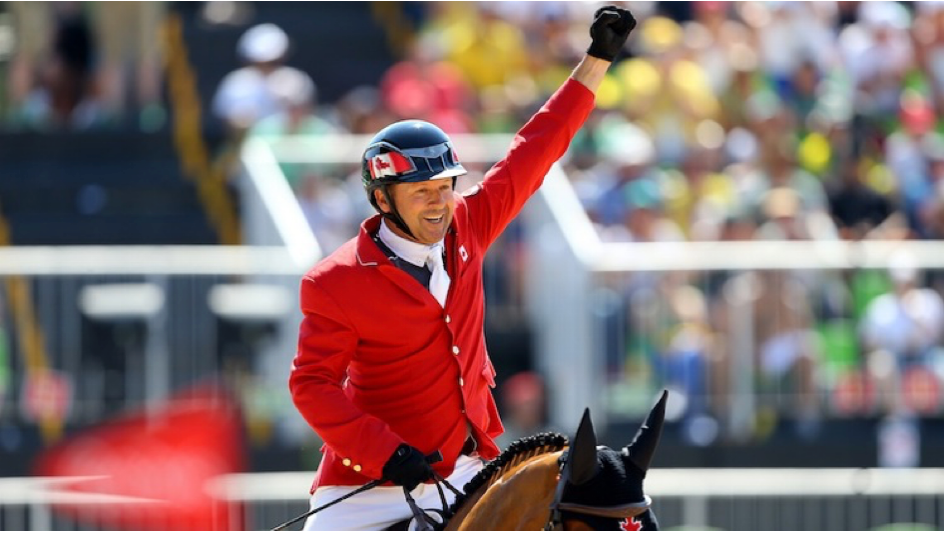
(517, 501)
(456, 521)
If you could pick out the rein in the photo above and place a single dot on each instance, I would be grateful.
(422, 519)
(367, 486)
(424, 522)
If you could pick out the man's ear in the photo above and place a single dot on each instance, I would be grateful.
(381, 200)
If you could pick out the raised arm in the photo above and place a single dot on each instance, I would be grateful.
(546, 136)
(590, 72)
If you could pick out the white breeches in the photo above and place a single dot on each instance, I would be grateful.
(380, 507)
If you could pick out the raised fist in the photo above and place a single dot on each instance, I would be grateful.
(609, 31)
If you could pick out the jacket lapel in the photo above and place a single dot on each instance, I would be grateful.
(370, 255)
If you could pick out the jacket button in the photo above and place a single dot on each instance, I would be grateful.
(448, 319)
(346, 462)
(455, 350)
(357, 468)
(460, 382)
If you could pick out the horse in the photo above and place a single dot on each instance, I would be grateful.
(540, 482)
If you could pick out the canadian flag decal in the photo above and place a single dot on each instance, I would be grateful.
(630, 524)
(389, 164)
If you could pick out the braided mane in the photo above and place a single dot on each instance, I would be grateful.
(517, 453)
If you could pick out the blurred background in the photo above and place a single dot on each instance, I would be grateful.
(751, 218)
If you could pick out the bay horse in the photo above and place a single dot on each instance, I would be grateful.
(540, 482)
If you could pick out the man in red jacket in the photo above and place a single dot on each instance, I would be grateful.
(392, 364)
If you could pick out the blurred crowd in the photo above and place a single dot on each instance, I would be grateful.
(723, 121)
(730, 121)
(80, 66)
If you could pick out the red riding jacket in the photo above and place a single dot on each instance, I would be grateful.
(379, 362)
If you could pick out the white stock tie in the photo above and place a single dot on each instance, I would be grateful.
(439, 280)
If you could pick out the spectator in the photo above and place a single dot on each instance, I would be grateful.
(788, 349)
(683, 363)
(667, 93)
(628, 154)
(426, 87)
(930, 211)
(67, 95)
(901, 330)
(296, 98)
(125, 64)
(787, 220)
(487, 49)
(858, 210)
(878, 54)
(130, 70)
(927, 38)
(251, 93)
(910, 154)
(361, 111)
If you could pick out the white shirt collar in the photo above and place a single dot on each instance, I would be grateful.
(412, 252)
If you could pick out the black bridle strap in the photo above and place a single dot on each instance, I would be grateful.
(617, 511)
(554, 514)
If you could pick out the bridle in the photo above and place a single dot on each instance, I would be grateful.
(555, 521)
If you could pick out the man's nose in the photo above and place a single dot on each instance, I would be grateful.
(441, 197)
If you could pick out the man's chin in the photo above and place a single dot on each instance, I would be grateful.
(432, 235)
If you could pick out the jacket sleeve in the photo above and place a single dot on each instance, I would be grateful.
(327, 343)
(540, 142)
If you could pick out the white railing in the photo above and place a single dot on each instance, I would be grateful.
(271, 214)
(146, 260)
(177, 294)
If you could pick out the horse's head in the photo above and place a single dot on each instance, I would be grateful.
(602, 488)
(534, 483)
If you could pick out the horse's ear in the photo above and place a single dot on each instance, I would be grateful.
(582, 456)
(641, 450)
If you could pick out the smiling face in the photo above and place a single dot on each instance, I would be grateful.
(426, 207)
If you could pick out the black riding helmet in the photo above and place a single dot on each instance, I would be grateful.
(408, 151)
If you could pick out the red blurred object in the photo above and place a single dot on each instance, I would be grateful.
(921, 390)
(917, 116)
(709, 7)
(854, 394)
(523, 387)
(168, 455)
(415, 89)
(46, 394)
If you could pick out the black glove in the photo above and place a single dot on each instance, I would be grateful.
(407, 467)
(610, 29)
